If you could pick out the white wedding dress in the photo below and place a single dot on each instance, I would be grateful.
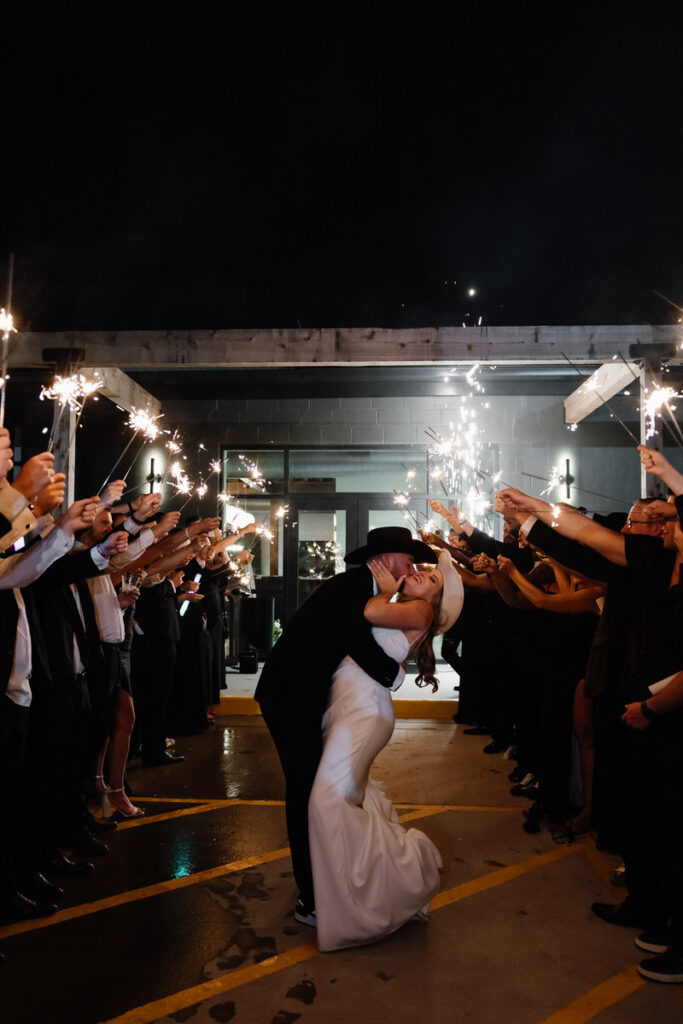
(370, 875)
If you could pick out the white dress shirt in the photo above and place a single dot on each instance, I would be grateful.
(19, 686)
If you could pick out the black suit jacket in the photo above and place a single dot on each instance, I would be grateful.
(616, 662)
(54, 620)
(330, 624)
(156, 612)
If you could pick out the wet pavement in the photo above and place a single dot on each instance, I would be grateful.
(190, 915)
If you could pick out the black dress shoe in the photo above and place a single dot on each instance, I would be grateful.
(20, 908)
(99, 824)
(86, 845)
(623, 914)
(40, 889)
(496, 747)
(164, 758)
(63, 865)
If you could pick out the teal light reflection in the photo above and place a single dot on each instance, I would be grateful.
(181, 861)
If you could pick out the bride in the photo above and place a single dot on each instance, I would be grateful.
(370, 875)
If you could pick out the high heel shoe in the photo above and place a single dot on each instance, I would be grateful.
(120, 815)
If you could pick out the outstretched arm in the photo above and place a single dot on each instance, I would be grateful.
(569, 523)
(568, 603)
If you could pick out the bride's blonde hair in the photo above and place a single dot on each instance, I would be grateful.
(424, 652)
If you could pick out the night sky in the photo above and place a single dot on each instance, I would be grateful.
(190, 165)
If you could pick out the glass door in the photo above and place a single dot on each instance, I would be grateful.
(322, 530)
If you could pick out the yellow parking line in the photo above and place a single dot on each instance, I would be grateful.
(494, 878)
(208, 989)
(133, 895)
(147, 891)
(234, 979)
(599, 998)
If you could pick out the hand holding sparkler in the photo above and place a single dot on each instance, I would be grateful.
(168, 522)
(483, 563)
(112, 493)
(657, 465)
(505, 566)
(79, 516)
(114, 544)
(35, 474)
(453, 516)
(51, 497)
(149, 506)
(203, 526)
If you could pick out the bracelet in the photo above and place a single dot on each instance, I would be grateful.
(647, 712)
(138, 521)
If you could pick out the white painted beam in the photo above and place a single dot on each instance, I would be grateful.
(122, 389)
(606, 382)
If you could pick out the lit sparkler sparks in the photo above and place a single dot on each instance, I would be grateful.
(655, 401)
(70, 391)
(142, 422)
(282, 512)
(256, 478)
(201, 490)
(555, 480)
(7, 323)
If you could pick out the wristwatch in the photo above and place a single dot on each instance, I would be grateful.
(647, 712)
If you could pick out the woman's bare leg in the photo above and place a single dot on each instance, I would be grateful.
(119, 745)
(585, 734)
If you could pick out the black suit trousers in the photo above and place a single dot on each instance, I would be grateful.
(300, 749)
(153, 667)
(14, 723)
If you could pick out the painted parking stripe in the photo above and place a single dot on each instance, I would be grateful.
(235, 979)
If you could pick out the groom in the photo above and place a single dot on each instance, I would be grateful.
(296, 678)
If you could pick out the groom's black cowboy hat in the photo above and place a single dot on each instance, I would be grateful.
(386, 539)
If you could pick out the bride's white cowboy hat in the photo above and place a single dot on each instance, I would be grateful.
(388, 540)
(453, 594)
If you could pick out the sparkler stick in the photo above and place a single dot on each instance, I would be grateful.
(71, 391)
(604, 402)
(680, 310)
(141, 422)
(7, 326)
(88, 388)
(584, 490)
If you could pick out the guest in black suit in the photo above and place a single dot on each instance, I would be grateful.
(62, 621)
(295, 682)
(153, 660)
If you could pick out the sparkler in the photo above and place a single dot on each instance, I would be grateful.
(657, 399)
(141, 422)
(556, 480)
(256, 478)
(70, 391)
(7, 327)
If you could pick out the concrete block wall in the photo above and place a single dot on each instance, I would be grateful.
(529, 430)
